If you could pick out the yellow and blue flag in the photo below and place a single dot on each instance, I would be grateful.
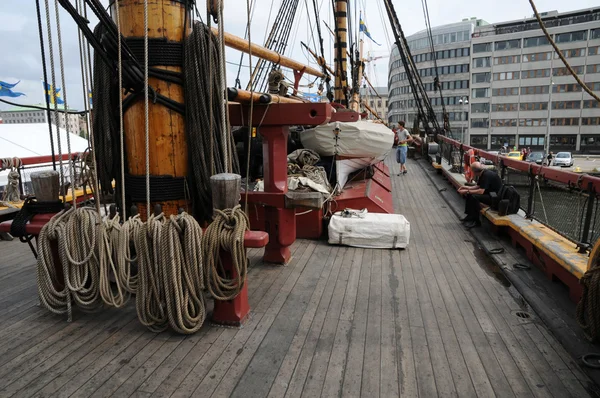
(52, 94)
(6, 90)
(90, 97)
(363, 29)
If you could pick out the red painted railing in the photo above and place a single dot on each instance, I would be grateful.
(33, 160)
(549, 173)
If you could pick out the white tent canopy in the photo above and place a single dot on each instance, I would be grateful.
(33, 139)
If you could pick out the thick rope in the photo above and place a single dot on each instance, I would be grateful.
(226, 233)
(588, 308)
(11, 194)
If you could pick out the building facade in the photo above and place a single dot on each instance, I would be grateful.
(452, 44)
(521, 92)
(377, 100)
(21, 115)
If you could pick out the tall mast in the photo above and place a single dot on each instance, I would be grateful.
(355, 101)
(341, 47)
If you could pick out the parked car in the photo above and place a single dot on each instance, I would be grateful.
(515, 155)
(536, 157)
(563, 159)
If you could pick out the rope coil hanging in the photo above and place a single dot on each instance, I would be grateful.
(588, 308)
(226, 233)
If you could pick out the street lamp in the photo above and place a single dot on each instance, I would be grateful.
(463, 101)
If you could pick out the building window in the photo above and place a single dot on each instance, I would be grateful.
(565, 121)
(500, 140)
(590, 121)
(536, 57)
(479, 140)
(566, 104)
(564, 141)
(480, 123)
(512, 59)
(506, 76)
(481, 77)
(565, 72)
(532, 122)
(587, 104)
(504, 123)
(574, 53)
(505, 91)
(531, 140)
(482, 62)
(504, 107)
(566, 88)
(483, 107)
(571, 36)
(480, 92)
(531, 74)
(533, 106)
(507, 44)
(482, 47)
(595, 34)
(535, 41)
(535, 90)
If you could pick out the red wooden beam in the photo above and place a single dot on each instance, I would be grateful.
(33, 160)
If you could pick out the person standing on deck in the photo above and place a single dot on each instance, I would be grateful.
(488, 181)
(403, 139)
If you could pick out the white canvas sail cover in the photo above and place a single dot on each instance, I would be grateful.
(362, 139)
(369, 230)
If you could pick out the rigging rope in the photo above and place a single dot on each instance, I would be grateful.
(251, 85)
(226, 232)
(11, 192)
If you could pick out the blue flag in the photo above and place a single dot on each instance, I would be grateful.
(52, 94)
(363, 29)
(5, 90)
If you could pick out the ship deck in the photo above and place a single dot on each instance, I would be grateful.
(436, 319)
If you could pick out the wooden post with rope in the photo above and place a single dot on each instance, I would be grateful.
(167, 139)
(45, 185)
(226, 190)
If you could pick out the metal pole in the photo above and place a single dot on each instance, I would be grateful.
(549, 114)
(588, 215)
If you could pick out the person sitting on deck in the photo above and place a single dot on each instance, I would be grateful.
(487, 181)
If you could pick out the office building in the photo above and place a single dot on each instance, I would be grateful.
(521, 92)
(452, 52)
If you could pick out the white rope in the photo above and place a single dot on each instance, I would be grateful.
(53, 83)
(64, 91)
(146, 120)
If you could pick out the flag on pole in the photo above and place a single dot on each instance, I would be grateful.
(5, 90)
(52, 94)
(365, 30)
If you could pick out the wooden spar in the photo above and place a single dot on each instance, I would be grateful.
(167, 141)
(240, 44)
(341, 20)
(373, 112)
(355, 102)
(320, 60)
(243, 96)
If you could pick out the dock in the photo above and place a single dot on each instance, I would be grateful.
(436, 319)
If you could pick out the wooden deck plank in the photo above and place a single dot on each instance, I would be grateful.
(371, 378)
(292, 359)
(356, 351)
(289, 308)
(389, 344)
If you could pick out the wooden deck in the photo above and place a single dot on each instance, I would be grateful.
(433, 320)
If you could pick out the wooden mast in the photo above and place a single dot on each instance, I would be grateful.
(340, 48)
(167, 140)
(355, 101)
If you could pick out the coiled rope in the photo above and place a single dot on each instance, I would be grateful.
(11, 194)
(226, 233)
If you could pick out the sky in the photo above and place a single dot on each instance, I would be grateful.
(20, 43)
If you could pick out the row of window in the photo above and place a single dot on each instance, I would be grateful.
(532, 141)
(533, 106)
(442, 54)
(442, 70)
(451, 85)
(22, 114)
(485, 77)
(539, 122)
(531, 90)
(567, 37)
(443, 38)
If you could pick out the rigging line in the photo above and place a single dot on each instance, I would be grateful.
(41, 108)
(64, 90)
(237, 78)
(45, 74)
(269, 22)
(560, 54)
(251, 112)
(121, 129)
(52, 92)
(146, 110)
